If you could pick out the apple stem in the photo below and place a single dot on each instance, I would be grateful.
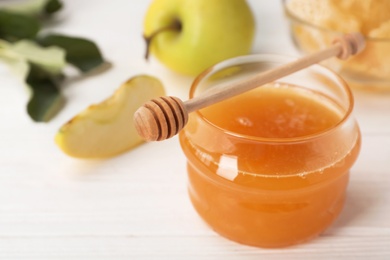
(175, 26)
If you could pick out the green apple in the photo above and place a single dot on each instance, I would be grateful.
(106, 129)
(189, 36)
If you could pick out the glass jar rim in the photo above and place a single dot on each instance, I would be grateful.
(297, 19)
(274, 58)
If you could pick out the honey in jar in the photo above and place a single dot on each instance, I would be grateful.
(270, 167)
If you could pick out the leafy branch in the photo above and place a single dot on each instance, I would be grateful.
(41, 58)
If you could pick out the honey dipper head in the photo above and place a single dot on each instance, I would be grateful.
(160, 118)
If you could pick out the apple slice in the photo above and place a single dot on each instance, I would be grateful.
(106, 129)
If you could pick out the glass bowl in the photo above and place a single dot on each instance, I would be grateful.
(368, 70)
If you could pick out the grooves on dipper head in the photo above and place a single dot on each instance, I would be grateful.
(160, 103)
(167, 100)
(155, 117)
(181, 113)
(161, 118)
(173, 113)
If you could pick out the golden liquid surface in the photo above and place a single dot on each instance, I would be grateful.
(269, 112)
(269, 195)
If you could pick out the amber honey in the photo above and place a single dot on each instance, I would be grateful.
(270, 167)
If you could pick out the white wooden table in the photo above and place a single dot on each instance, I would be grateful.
(56, 207)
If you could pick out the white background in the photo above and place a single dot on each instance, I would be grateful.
(135, 206)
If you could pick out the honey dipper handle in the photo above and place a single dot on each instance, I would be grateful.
(342, 48)
(162, 118)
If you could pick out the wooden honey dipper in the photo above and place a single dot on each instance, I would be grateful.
(163, 117)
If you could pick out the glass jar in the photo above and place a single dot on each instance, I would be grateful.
(270, 191)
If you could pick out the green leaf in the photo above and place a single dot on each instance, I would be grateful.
(15, 26)
(17, 64)
(80, 52)
(52, 59)
(35, 8)
(53, 6)
(46, 99)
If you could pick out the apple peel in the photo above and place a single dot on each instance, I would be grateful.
(106, 129)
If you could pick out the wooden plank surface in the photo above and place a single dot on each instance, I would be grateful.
(56, 207)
